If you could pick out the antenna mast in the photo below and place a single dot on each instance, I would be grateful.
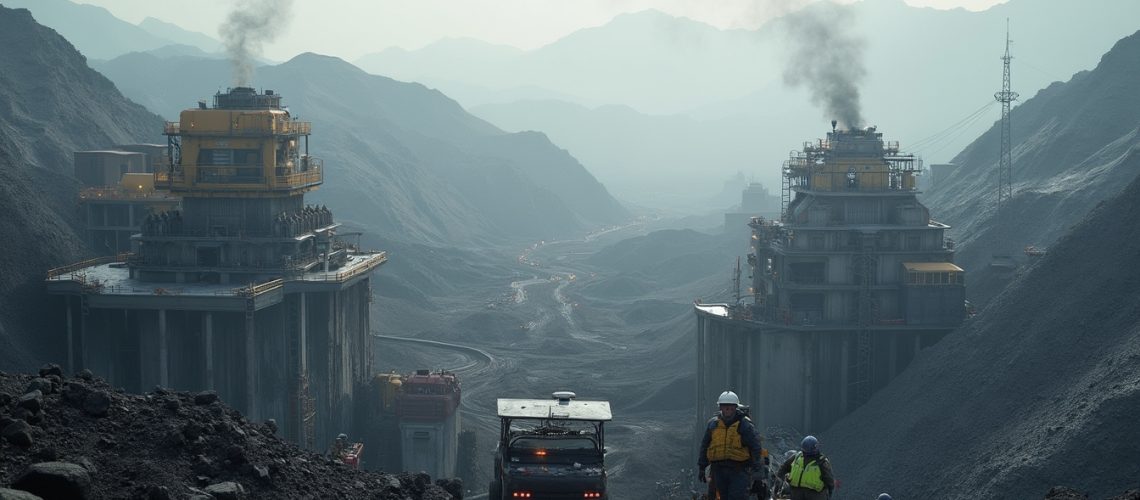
(1005, 164)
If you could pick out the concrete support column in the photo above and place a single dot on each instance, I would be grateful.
(70, 338)
(82, 336)
(302, 351)
(845, 374)
(303, 365)
(208, 328)
(250, 368)
(893, 357)
(163, 353)
(809, 349)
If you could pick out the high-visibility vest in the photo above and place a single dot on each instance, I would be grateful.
(725, 443)
(808, 476)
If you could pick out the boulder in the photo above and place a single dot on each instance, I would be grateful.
(55, 480)
(97, 403)
(7, 494)
(228, 490)
(205, 397)
(18, 433)
(51, 369)
(33, 400)
(39, 384)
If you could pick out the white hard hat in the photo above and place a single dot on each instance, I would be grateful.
(728, 398)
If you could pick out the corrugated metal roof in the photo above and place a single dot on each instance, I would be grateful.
(555, 409)
(931, 267)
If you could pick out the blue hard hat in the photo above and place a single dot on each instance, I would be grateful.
(883, 496)
(810, 445)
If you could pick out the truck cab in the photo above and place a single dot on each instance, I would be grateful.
(551, 449)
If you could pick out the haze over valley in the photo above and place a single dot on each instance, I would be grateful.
(551, 211)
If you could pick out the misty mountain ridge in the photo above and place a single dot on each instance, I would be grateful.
(1075, 144)
(653, 160)
(641, 59)
(51, 104)
(916, 82)
(403, 160)
(98, 34)
(182, 36)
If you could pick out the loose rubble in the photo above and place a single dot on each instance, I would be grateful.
(76, 437)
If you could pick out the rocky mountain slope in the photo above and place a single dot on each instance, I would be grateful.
(51, 104)
(1075, 144)
(403, 161)
(1038, 390)
(98, 34)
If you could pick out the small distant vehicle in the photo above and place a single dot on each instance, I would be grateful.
(551, 449)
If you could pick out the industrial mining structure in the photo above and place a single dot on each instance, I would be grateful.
(246, 290)
(848, 286)
(416, 422)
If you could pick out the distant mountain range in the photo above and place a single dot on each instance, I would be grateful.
(403, 161)
(98, 34)
(926, 70)
(51, 104)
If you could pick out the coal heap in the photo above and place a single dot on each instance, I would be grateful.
(76, 437)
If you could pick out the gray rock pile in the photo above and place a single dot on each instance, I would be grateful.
(76, 437)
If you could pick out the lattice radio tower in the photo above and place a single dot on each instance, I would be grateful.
(1005, 164)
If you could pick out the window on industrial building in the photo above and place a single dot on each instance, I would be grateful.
(807, 272)
(913, 242)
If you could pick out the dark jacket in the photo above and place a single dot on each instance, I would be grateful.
(825, 472)
(748, 437)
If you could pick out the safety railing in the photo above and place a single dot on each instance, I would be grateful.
(241, 176)
(367, 265)
(253, 290)
(97, 261)
(279, 128)
(118, 193)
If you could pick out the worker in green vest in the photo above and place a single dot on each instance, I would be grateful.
(808, 473)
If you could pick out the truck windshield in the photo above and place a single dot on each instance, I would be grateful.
(551, 444)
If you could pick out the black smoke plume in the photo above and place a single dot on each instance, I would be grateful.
(248, 26)
(826, 56)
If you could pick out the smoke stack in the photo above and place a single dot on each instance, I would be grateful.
(833, 123)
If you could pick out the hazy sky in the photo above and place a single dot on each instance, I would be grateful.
(352, 28)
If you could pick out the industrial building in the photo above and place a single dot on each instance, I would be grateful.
(119, 193)
(847, 286)
(245, 289)
(755, 201)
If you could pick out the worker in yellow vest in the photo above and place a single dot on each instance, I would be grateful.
(808, 473)
(732, 447)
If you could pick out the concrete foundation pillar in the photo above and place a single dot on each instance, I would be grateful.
(70, 338)
(893, 357)
(250, 368)
(302, 351)
(809, 351)
(208, 337)
(163, 352)
(845, 374)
